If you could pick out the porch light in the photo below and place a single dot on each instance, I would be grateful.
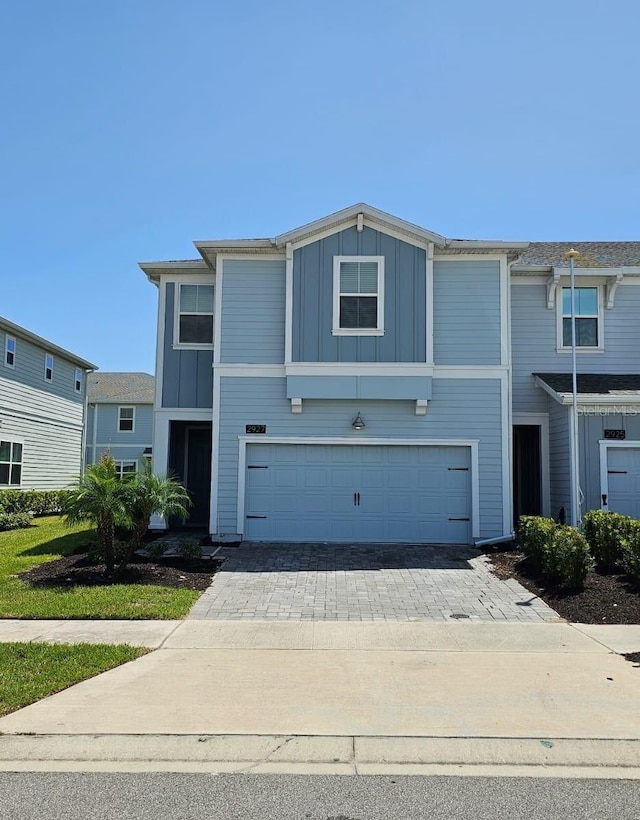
(358, 422)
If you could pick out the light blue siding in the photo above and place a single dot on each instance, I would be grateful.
(533, 340)
(466, 313)
(187, 375)
(404, 338)
(107, 428)
(253, 310)
(450, 415)
(358, 387)
(559, 461)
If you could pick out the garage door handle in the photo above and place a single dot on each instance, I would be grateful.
(458, 519)
(617, 472)
(256, 467)
(460, 469)
(256, 516)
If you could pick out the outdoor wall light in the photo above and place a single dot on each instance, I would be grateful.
(358, 422)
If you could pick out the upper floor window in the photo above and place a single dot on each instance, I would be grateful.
(195, 315)
(126, 419)
(48, 367)
(10, 351)
(358, 295)
(10, 463)
(77, 380)
(588, 319)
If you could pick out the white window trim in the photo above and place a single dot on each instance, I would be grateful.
(13, 441)
(133, 420)
(6, 351)
(48, 356)
(177, 344)
(599, 348)
(120, 464)
(357, 331)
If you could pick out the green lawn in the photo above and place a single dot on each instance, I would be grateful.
(50, 538)
(31, 671)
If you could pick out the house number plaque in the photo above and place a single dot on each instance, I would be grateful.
(255, 428)
(620, 435)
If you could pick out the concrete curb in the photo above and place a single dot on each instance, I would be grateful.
(348, 755)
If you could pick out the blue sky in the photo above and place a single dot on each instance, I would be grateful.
(132, 127)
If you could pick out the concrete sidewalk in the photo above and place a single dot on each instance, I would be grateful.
(405, 695)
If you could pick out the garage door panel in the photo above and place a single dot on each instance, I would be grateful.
(623, 467)
(404, 493)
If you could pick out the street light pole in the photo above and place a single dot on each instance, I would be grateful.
(575, 488)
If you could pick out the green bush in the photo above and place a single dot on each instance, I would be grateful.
(535, 535)
(569, 559)
(36, 502)
(630, 545)
(605, 531)
(14, 521)
(189, 548)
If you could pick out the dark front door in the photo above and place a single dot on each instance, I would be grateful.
(527, 471)
(198, 473)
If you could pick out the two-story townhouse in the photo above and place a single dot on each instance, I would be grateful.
(42, 411)
(120, 418)
(607, 316)
(345, 381)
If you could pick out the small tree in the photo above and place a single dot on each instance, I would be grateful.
(147, 494)
(100, 498)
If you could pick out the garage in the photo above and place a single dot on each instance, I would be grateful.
(362, 493)
(623, 479)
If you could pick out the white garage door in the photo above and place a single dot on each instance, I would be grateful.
(623, 468)
(317, 492)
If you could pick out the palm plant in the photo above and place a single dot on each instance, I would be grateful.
(147, 494)
(100, 498)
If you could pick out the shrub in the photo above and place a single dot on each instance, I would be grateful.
(14, 521)
(535, 534)
(189, 548)
(36, 502)
(605, 531)
(569, 559)
(630, 546)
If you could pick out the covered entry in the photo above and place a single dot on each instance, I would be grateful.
(358, 492)
(190, 460)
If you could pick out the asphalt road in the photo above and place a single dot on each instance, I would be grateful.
(249, 797)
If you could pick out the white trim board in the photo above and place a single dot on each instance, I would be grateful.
(540, 420)
(244, 441)
(605, 445)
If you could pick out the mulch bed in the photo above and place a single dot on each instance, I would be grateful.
(79, 569)
(605, 599)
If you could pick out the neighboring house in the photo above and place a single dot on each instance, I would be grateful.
(363, 379)
(120, 418)
(42, 411)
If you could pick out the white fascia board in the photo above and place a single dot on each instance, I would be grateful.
(590, 399)
(154, 270)
(486, 244)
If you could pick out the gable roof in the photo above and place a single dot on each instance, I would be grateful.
(591, 254)
(614, 387)
(116, 388)
(22, 332)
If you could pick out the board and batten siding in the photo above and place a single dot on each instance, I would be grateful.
(466, 313)
(50, 429)
(534, 341)
(404, 337)
(187, 380)
(253, 311)
(559, 459)
(449, 416)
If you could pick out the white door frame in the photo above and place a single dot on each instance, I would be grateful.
(605, 446)
(540, 420)
(243, 441)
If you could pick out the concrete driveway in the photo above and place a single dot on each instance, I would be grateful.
(364, 582)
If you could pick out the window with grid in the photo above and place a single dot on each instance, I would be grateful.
(77, 380)
(48, 367)
(10, 463)
(587, 317)
(10, 351)
(195, 314)
(126, 419)
(125, 467)
(358, 294)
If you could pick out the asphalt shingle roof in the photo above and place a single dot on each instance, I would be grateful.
(592, 254)
(593, 383)
(137, 388)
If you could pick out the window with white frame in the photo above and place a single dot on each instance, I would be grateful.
(123, 468)
(77, 380)
(10, 351)
(126, 419)
(10, 463)
(587, 317)
(195, 315)
(48, 367)
(358, 295)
